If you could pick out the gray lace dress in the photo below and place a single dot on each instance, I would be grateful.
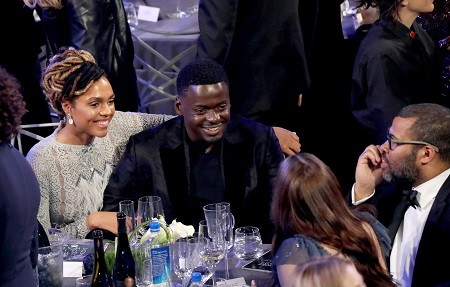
(72, 178)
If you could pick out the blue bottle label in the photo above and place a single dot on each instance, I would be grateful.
(160, 261)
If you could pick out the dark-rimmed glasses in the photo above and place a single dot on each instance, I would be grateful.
(393, 143)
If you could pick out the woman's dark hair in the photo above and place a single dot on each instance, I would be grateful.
(12, 106)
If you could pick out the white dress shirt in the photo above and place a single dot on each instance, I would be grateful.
(407, 239)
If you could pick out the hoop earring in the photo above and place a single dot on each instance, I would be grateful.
(70, 120)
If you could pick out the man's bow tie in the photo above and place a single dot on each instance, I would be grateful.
(411, 197)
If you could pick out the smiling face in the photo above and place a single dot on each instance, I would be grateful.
(91, 113)
(206, 111)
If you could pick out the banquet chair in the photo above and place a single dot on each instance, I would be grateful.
(17, 140)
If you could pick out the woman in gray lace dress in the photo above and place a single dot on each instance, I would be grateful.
(312, 219)
(74, 163)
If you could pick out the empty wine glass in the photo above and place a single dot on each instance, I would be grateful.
(198, 265)
(181, 258)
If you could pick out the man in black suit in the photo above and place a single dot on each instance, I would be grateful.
(19, 194)
(416, 156)
(203, 156)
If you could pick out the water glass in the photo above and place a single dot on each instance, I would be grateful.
(247, 243)
(84, 281)
(130, 11)
(50, 265)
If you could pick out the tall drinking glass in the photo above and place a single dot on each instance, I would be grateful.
(182, 259)
(228, 231)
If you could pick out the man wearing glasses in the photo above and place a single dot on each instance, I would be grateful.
(408, 179)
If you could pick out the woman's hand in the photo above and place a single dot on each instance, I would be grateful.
(103, 219)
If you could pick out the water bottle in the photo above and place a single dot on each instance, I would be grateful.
(100, 276)
(196, 280)
(158, 250)
(124, 266)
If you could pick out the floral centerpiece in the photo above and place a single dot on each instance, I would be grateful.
(169, 233)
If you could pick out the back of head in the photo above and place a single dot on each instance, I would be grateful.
(307, 196)
(326, 271)
(68, 75)
(200, 72)
(12, 106)
(432, 125)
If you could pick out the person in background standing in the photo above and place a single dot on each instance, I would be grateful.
(101, 28)
(260, 45)
(19, 194)
(396, 65)
(22, 39)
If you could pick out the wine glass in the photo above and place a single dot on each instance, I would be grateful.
(182, 259)
(198, 265)
(228, 232)
(178, 13)
(212, 246)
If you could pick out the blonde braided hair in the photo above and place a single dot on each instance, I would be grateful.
(68, 75)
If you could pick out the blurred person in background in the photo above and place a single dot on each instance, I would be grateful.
(397, 64)
(19, 194)
(22, 36)
(101, 28)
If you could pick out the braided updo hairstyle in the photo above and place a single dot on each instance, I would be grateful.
(68, 75)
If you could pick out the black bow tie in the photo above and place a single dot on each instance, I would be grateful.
(411, 197)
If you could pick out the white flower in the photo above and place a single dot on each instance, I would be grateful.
(180, 230)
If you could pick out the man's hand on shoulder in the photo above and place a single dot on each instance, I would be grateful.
(289, 141)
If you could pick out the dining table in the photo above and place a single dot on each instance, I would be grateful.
(235, 269)
(162, 48)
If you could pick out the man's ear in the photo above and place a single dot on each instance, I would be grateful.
(178, 106)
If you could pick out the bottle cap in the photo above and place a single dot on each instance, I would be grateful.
(196, 277)
(154, 226)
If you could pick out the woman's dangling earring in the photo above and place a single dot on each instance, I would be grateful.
(70, 120)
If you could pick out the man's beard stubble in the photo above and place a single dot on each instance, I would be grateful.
(402, 169)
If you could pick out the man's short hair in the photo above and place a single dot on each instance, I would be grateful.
(200, 72)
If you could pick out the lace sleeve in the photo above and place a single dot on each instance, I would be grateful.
(44, 205)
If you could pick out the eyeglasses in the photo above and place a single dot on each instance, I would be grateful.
(393, 143)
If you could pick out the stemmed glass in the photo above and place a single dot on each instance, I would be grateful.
(182, 258)
(228, 233)
(212, 248)
(178, 13)
(211, 251)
